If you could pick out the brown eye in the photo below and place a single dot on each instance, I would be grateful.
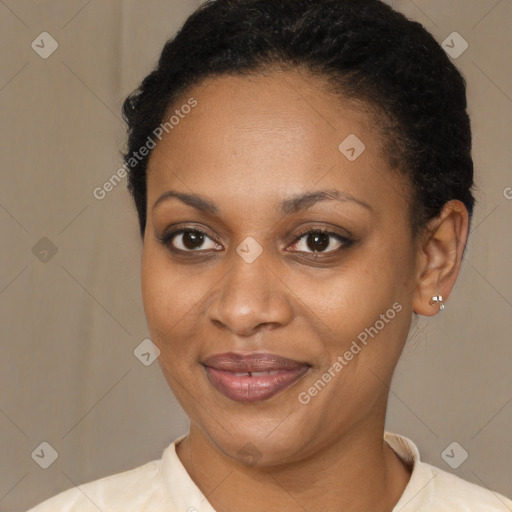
(188, 240)
(192, 239)
(320, 242)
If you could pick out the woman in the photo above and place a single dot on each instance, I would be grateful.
(302, 174)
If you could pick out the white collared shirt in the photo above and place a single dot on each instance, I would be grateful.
(165, 486)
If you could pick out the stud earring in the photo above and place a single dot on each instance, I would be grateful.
(437, 300)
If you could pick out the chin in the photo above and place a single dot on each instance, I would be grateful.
(260, 443)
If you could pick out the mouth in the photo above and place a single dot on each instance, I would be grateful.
(254, 377)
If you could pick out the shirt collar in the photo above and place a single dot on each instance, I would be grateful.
(187, 496)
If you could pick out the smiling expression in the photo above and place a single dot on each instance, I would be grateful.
(265, 244)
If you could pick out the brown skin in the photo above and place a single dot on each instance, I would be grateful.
(250, 143)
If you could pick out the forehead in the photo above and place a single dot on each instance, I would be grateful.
(264, 135)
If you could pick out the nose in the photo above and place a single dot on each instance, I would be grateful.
(251, 298)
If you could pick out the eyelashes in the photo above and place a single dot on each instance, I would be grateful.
(317, 241)
(192, 242)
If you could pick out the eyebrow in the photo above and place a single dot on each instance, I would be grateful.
(287, 207)
(305, 201)
(198, 202)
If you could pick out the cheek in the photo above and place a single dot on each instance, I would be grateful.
(361, 314)
(174, 299)
(353, 296)
(166, 294)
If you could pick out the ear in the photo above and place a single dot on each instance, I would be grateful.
(439, 256)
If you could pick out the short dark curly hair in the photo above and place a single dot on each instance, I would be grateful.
(364, 48)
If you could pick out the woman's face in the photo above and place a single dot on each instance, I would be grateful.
(288, 245)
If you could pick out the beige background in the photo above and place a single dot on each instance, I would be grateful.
(68, 375)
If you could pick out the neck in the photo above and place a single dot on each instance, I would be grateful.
(356, 473)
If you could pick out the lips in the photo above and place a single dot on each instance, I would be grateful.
(254, 377)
